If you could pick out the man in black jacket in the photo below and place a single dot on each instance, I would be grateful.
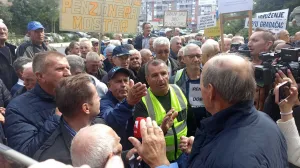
(7, 57)
(78, 101)
(142, 40)
(161, 47)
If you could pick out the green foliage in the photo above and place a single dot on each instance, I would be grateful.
(5, 15)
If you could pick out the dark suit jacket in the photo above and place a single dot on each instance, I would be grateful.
(58, 145)
(138, 42)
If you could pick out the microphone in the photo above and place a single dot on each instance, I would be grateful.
(137, 127)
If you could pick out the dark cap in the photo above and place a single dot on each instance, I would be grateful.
(120, 51)
(116, 70)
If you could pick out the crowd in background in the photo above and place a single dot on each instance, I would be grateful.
(154, 101)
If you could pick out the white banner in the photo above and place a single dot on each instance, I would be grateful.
(175, 18)
(279, 14)
(206, 21)
(274, 25)
(231, 6)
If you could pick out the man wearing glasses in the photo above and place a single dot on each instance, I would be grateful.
(188, 79)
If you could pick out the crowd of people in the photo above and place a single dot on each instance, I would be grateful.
(153, 102)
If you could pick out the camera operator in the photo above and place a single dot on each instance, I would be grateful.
(260, 41)
(286, 122)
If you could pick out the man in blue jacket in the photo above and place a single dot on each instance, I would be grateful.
(237, 135)
(117, 106)
(30, 117)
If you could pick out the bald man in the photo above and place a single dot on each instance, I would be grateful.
(227, 44)
(94, 145)
(7, 57)
(228, 87)
(297, 36)
(284, 35)
(146, 56)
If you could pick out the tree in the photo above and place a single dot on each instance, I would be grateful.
(24, 11)
(5, 14)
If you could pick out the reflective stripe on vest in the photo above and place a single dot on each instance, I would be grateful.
(178, 75)
(157, 112)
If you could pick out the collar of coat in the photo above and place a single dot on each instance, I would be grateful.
(228, 118)
(42, 94)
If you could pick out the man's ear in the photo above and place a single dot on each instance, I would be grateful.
(85, 108)
(212, 92)
(269, 45)
(39, 76)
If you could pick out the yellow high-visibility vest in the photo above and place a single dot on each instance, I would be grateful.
(157, 112)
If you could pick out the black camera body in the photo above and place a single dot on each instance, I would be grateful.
(287, 59)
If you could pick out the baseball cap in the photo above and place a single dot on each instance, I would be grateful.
(116, 70)
(167, 30)
(120, 51)
(34, 25)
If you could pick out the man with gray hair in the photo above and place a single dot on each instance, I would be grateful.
(247, 137)
(94, 65)
(85, 47)
(180, 58)
(19, 68)
(146, 55)
(30, 117)
(108, 63)
(175, 46)
(162, 51)
(94, 145)
(77, 66)
(135, 61)
(7, 57)
(188, 79)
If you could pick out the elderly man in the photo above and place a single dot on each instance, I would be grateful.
(108, 63)
(284, 35)
(19, 68)
(118, 36)
(29, 80)
(228, 87)
(135, 61)
(94, 65)
(165, 104)
(143, 40)
(168, 33)
(175, 46)
(238, 40)
(78, 112)
(7, 57)
(200, 37)
(162, 51)
(30, 117)
(95, 44)
(120, 58)
(146, 55)
(209, 49)
(297, 36)
(36, 44)
(101, 144)
(177, 32)
(151, 44)
(118, 104)
(77, 66)
(180, 58)
(227, 44)
(188, 79)
(74, 48)
(85, 47)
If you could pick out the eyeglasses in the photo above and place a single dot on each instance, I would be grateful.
(193, 56)
(95, 44)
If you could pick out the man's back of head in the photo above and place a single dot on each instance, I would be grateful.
(94, 145)
(230, 78)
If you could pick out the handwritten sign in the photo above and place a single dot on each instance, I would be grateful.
(206, 21)
(116, 16)
(175, 18)
(279, 14)
(213, 31)
(274, 25)
(230, 6)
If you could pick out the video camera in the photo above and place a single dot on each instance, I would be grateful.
(242, 49)
(287, 59)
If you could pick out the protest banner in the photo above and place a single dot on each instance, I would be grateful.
(230, 6)
(104, 16)
(279, 14)
(206, 21)
(213, 31)
(175, 19)
(274, 25)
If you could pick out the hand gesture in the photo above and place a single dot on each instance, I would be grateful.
(135, 92)
(281, 77)
(186, 144)
(153, 147)
(168, 120)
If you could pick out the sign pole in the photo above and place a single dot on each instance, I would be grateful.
(250, 23)
(222, 31)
